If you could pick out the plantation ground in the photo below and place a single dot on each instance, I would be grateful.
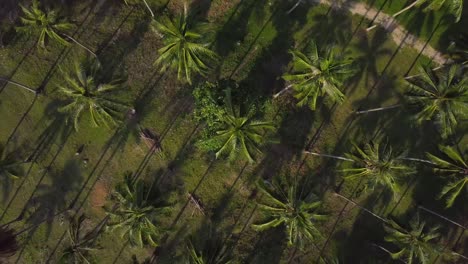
(252, 37)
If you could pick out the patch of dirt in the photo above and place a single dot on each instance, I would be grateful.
(99, 195)
(219, 8)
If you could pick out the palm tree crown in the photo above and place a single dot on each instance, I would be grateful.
(46, 25)
(184, 47)
(239, 133)
(298, 214)
(454, 166)
(378, 165)
(443, 99)
(315, 75)
(85, 92)
(135, 214)
(415, 243)
(80, 244)
(455, 7)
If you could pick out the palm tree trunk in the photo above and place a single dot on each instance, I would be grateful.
(397, 13)
(294, 7)
(363, 208)
(149, 8)
(405, 9)
(377, 109)
(285, 89)
(79, 44)
(441, 216)
(19, 85)
(327, 156)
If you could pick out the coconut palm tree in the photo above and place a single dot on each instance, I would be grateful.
(455, 167)
(134, 2)
(212, 250)
(85, 90)
(81, 244)
(46, 25)
(10, 166)
(295, 210)
(415, 244)
(136, 214)
(185, 48)
(454, 7)
(317, 74)
(377, 164)
(442, 98)
(239, 134)
(8, 243)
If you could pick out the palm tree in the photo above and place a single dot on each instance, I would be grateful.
(454, 166)
(441, 98)
(239, 134)
(46, 25)
(20, 85)
(8, 243)
(296, 211)
(455, 7)
(80, 244)
(413, 244)
(212, 251)
(85, 90)
(315, 75)
(135, 214)
(10, 166)
(133, 2)
(377, 164)
(184, 47)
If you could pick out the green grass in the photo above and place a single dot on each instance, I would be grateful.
(253, 39)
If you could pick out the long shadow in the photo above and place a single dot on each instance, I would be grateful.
(21, 120)
(55, 130)
(51, 197)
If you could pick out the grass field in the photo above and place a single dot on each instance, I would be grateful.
(252, 38)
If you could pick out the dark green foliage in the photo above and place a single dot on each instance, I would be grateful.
(8, 243)
(454, 167)
(86, 90)
(297, 210)
(136, 213)
(44, 25)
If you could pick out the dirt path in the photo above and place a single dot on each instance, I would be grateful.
(397, 31)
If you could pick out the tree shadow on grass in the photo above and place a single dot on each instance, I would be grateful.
(51, 198)
(235, 28)
(112, 58)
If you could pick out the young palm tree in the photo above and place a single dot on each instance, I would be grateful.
(135, 214)
(298, 213)
(443, 99)
(184, 47)
(85, 90)
(80, 244)
(8, 243)
(315, 75)
(133, 2)
(415, 244)
(10, 166)
(46, 25)
(454, 166)
(239, 134)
